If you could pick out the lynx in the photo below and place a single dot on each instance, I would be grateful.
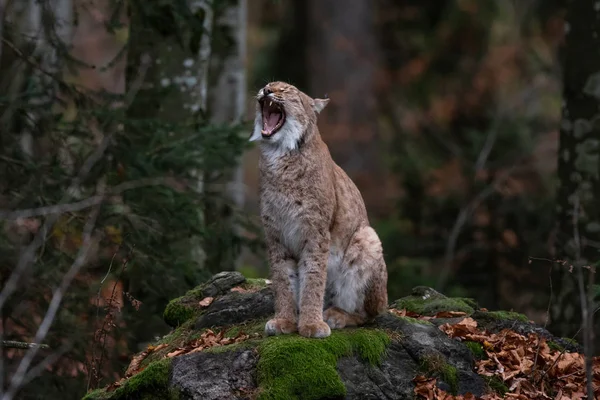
(326, 262)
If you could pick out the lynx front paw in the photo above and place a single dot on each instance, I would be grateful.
(317, 330)
(278, 326)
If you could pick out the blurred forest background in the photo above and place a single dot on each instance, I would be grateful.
(126, 177)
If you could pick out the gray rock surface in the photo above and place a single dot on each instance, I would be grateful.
(222, 282)
(237, 307)
(215, 376)
(392, 380)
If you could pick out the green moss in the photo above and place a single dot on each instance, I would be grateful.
(555, 346)
(293, 367)
(249, 328)
(150, 384)
(247, 344)
(495, 384)
(435, 364)
(177, 312)
(469, 301)
(254, 283)
(412, 320)
(477, 350)
(97, 394)
(570, 340)
(506, 315)
(433, 305)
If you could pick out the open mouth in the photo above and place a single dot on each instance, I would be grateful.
(273, 116)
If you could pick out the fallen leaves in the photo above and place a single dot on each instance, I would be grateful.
(207, 340)
(529, 368)
(426, 388)
(134, 365)
(405, 313)
(442, 314)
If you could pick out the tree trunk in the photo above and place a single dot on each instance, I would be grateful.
(577, 213)
(227, 99)
(342, 56)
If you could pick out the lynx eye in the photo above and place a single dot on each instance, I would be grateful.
(273, 116)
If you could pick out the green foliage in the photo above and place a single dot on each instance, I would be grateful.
(293, 367)
(154, 235)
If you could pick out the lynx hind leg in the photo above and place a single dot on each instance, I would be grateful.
(359, 284)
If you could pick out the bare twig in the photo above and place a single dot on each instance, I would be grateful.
(96, 364)
(29, 254)
(583, 298)
(30, 60)
(51, 359)
(547, 319)
(82, 255)
(462, 218)
(90, 201)
(12, 344)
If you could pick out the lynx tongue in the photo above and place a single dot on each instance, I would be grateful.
(272, 119)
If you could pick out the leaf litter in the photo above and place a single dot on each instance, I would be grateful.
(526, 364)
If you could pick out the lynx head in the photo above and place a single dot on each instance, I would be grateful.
(284, 114)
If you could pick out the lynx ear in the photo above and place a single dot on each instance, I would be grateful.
(319, 104)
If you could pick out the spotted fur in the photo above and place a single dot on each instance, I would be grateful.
(326, 261)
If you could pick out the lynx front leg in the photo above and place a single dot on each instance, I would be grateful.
(312, 271)
(285, 281)
(284, 277)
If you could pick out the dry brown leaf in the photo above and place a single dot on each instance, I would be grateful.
(113, 386)
(205, 302)
(450, 314)
(175, 353)
(399, 313)
(134, 365)
(152, 349)
(240, 289)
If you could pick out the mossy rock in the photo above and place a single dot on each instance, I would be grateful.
(433, 304)
(179, 311)
(293, 367)
(187, 306)
(500, 316)
(435, 364)
(379, 359)
(254, 284)
(413, 320)
(150, 384)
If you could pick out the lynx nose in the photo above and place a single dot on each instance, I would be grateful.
(267, 91)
